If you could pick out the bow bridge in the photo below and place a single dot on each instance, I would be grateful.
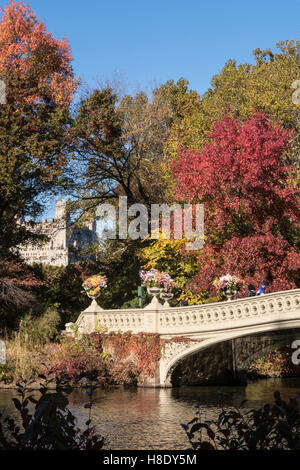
(252, 327)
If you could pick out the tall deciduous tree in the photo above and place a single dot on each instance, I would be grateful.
(120, 145)
(34, 141)
(251, 207)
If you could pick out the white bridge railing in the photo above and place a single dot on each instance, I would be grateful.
(192, 319)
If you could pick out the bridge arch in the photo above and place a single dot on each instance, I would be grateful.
(246, 349)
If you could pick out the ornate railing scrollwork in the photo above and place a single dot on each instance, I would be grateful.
(191, 319)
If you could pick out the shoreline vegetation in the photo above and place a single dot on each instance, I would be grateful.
(119, 359)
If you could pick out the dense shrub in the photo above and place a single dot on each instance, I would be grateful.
(74, 358)
(25, 348)
(124, 372)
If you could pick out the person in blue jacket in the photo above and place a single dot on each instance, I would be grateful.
(261, 290)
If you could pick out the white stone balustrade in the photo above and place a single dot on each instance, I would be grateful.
(249, 310)
(193, 319)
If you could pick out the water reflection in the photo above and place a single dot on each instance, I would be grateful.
(150, 418)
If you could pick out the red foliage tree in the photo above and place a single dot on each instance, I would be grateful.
(16, 280)
(251, 210)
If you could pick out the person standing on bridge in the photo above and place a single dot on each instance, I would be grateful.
(261, 290)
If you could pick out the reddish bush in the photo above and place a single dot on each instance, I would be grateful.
(74, 366)
(125, 372)
(72, 357)
(278, 362)
(144, 349)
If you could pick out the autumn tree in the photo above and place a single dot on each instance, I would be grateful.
(237, 89)
(265, 85)
(251, 206)
(34, 141)
(120, 146)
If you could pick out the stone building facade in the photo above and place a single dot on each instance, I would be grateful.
(64, 246)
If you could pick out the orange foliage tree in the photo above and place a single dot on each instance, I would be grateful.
(34, 130)
(34, 65)
(34, 122)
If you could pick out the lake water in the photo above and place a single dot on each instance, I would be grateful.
(150, 418)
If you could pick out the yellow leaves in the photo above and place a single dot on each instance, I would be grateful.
(169, 256)
(192, 298)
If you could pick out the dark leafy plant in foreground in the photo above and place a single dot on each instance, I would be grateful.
(51, 426)
(274, 427)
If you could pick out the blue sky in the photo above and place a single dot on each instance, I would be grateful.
(149, 42)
